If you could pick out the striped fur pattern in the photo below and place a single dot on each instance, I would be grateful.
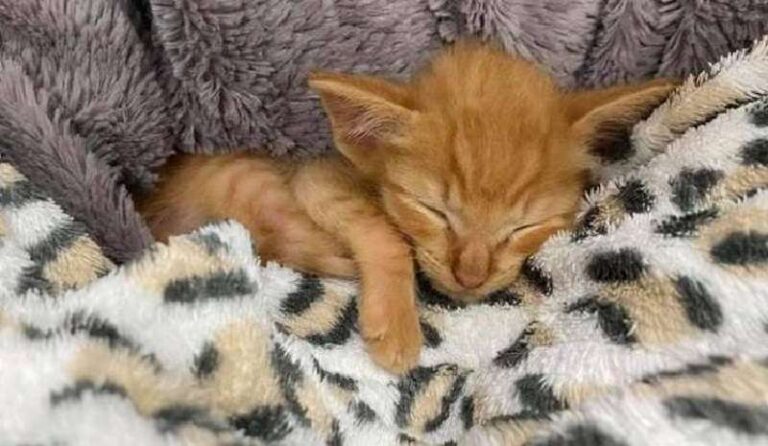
(647, 324)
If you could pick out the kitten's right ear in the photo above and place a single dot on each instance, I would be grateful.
(366, 113)
(605, 117)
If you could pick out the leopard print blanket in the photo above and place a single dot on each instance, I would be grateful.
(646, 325)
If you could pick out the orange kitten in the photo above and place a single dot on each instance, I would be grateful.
(468, 168)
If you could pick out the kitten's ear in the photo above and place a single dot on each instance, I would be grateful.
(605, 117)
(365, 112)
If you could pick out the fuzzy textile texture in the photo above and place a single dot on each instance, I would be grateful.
(96, 94)
(646, 325)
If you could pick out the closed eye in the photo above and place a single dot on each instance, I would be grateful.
(434, 211)
(520, 228)
(517, 230)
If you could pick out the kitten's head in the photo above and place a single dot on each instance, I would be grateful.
(479, 158)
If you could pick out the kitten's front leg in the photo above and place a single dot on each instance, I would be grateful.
(388, 315)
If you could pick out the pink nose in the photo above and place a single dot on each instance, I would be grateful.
(472, 266)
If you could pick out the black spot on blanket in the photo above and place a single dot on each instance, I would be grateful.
(686, 225)
(290, 376)
(691, 186)
(714, 364)
(43, 252)
(432, 338)
(19, 194)
(35, 333)
(468, 412)
(336, 379)
(578, 435)
(720, 110)
(335, 438)
(536, 277)
(739, 417)
(31, 279)
(613, 320)
(702, 309)
(503, 297)
(635, 197)
(430, 296)
(172, 417)
(206, 361)
(587, 225)
(755, 153)
(309, 291)
(268, 423)
(75, 393)
(410, 386)
(536, 397)
(341, 330)
(760, 114)
(210, 241)
(516, 353)
(220, 285)
(446, 403)
(362, 412)
(623, 265)
(95, 327)
(55, 242)
(742, 248)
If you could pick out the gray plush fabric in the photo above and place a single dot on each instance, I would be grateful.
(238, 69)
(95, 94)
(81, 113)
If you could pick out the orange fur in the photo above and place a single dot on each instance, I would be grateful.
(468, 168)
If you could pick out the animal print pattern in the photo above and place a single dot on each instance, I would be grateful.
(647, 324)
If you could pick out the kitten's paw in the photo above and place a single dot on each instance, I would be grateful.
(392, 334)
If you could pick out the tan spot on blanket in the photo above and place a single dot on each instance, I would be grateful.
(508, 432)
(81, 263)
(578, 393)
(308, 396)
(714, 239)
(428, 403)
(654, 307)
(148, 389)
(191, 435)
(9, 175)
(611, 212)
(180, 259)
(744, 382)
(738, 183)
(244, 377)
(691, 106)
(322, 315)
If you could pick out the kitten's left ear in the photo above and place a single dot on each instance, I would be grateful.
(366, 113)
(605, 117)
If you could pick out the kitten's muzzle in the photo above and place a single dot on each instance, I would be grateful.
(471, 268)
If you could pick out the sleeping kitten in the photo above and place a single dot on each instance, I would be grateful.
(468, 168)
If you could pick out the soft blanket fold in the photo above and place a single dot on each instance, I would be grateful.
(647, 324)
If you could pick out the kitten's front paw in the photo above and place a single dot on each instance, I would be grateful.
(391, 330)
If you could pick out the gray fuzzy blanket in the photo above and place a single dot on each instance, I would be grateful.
(96, 94)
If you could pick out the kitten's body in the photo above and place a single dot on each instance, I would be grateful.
(468, 168)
